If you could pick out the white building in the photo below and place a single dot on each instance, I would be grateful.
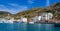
(3, 20)
(46, 16)
(11, 20)
(39, 18)
(23, 19)
(34, 19)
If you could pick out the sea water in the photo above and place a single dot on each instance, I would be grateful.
(27, 27)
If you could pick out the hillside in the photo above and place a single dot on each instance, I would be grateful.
(30, 13)
(4, 13)
(55, 8)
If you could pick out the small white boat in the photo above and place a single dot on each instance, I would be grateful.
(9, 21)
(31, 22)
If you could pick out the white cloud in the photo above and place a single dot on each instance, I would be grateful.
(30, 1)
(19, 9)
(14, 10)
(3, 8)
(13, 4)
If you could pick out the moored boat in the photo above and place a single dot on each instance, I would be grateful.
(31, 22)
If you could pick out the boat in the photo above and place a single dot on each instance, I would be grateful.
(31, 22)
(57, 24)
(16, 22)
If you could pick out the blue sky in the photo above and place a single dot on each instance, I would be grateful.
(15, 6)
